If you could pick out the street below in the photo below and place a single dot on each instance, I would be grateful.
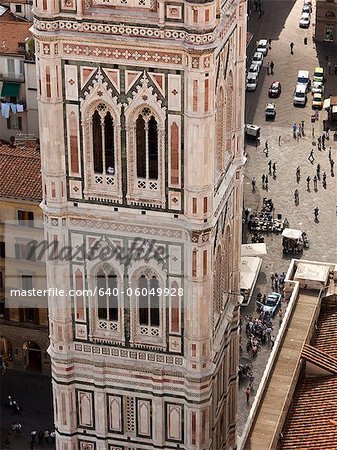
(280, 24)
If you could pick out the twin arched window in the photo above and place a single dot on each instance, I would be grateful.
(148, 301)
(107, 292)
(103, 141)
(147, 145)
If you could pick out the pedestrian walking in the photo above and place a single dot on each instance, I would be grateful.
(268, 68)
(308, 183)
(40, 437)
(272, 67)
(272, 342)
(324, 180)
(315, 182)
(253, 184)
(294, 130)
(323, 141)
(263, 179)
(266, 182)
(329, 68)
(318, 171)
(296, 196)
(311, 157)
(274, 170)
(332, 163)
(327, 129)
(330, 154)
(269, 42)
(247, 395)
(316, 214)
(53, 436)
(279, 141)
(291, 48)
(298, 174)
(272, 277)
(33, 435)
(266, 149)
(280, 317)
(269, 165)
(46, 436)
(302, 126)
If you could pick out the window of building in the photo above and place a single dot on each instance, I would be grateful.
(175, 308)
(11, 67)
(329, 33)
(26, 218)
(147, 145)
(25, 251)
(148, 301)
(103, 141)
(22, 47)
(107, 290)
(48, 86)
(205, 205)
(14, 122)
(18, 8)
(27, 282)
(194, 205)
(2, 250)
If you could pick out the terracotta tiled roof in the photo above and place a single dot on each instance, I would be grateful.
(312, 417)
(312, 421)
(20, 169)
(12, 31)
(319, 358)
(325, 337)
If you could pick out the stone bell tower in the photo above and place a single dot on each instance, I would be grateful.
(141, 124)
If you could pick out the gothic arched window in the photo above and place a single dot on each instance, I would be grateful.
(147, 145)
(148, 301)
(220, 130)
(103, 141)
(107, 289)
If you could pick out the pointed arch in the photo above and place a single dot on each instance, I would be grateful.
(73, 143)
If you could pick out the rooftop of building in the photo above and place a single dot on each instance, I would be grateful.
(312, 417)
(288, 410)
(20, 168)
(13, 31)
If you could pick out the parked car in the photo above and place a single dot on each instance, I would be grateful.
(317, 87)
(251, 82)
(262, 46)
(275, 89)
(300, 95)
(253, 68)
(309, 3)
(303, 78)
(319, 74)
(306, 9)
(272, 303)
(270, 111)
(252, 131)
(317, 101)
(304, 20)
(257, 58)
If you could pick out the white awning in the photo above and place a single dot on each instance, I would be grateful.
(290, 233)
(250, 268)
(253, 249)
(326, 103)
(334, 109)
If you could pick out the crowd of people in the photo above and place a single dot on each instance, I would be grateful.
(36, 437)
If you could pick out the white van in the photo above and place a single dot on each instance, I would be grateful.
(300, 95)
(303, 78)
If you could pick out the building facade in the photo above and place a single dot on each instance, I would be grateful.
(18, 90)
(141, 127)
(23, 319)
(326, 21)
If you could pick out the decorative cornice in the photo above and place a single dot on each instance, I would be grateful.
(125, 30)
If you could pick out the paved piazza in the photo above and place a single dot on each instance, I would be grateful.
(282, 28)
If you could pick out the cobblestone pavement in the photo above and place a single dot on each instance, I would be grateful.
(280, 23)
(33, 394)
